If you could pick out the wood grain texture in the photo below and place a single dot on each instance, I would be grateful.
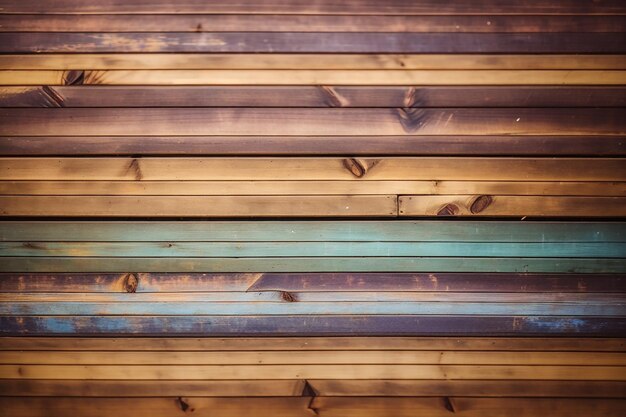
(358, 7)
(199, 61)
(309, 122)
(309, 96)
(310, 23)
(298, 42)
(513, 145)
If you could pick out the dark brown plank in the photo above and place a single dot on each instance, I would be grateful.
(313, 325)
(310, 122)
(297, 42)
(310, 96)
(358, 7)
(565, 145)
(309, 23)
(194, 282)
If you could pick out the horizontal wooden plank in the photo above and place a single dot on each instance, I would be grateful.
(312, 249)
(299, 42)
(216, 206)
(199, 61)
(310, 23)
(323, 168)
(304, 406)
(327, 264)
(319, 121)
(324, 357)
(317, 308)
(358, 7)
(328, 282)
(324, 387)
(487, 205)
(204, 188)
(364, 325)
(317, 371)
(562, 344)
(309, 96)
(317, 77)
(318, 231)
(566, 145)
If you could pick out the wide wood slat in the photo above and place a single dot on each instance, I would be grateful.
(298, 42)
(309, 96)
(215, 61)
(309, 23)
(317, 77)
(329, 282)
(323, 7)
(290, 121)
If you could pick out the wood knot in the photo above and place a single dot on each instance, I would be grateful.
(288, 297)
(447, 403)
(411, 118)
(131, 282)
(359, 167)
(481, 203)
(73, 77)
(448, 210)
(183, 405)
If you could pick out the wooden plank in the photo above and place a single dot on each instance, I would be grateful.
(317, 371)
(328, 282)
(562, 344)
(364, 325)
(323, 168)
(216, 206)
(339, 357)
(565, 145)
(310, 23)
(295, 122)
(487, 205)
(327, 264)
(358, 7)
(199, 61)
(317, 231)
(204, 188)
(309, 96)
(312, 249)
(317, 77)
(324, 387)
(298, 42)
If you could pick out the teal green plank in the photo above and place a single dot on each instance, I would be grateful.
(313, 249)
(425, 231)
(337, 264)
(303, 308)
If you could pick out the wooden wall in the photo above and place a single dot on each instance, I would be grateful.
(300, 208)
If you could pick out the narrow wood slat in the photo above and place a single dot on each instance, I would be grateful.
(309, 96)
(564, 145)
(327, 264)
(298, 42)
(317, 77)
(312, 249)
(204, 188)
(296, 122)
(364, 325)
(391, 344)
(216, 206)
(199, 61)
(485, 205)
(317, 371)
(363, 169)
(358, 7)
(310, 23)
(317, 231)
(324, 387)
(328, 282)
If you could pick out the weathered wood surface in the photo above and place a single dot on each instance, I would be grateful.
(521, 145)
(327, 282)
(309, 96)
(320, 121)
(310, 23)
